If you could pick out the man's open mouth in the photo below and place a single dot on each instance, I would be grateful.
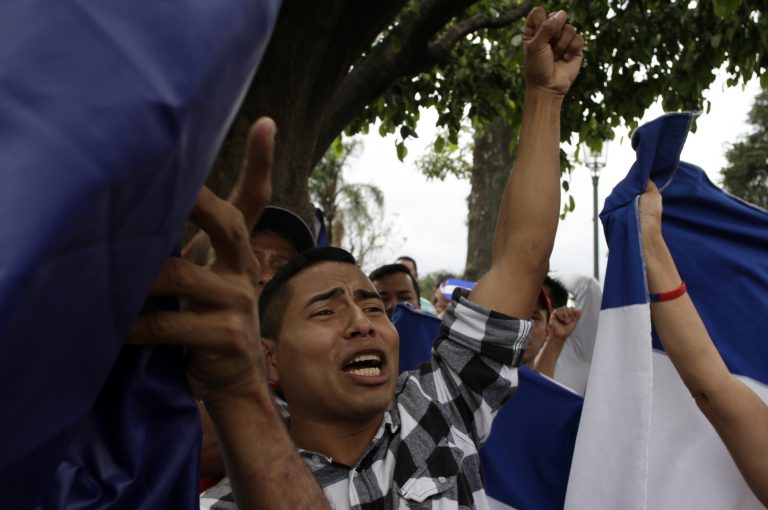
(368, 365)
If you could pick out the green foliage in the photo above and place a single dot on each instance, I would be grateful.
(636, 52)
(725, 8)
(746, 175)
(446, 158)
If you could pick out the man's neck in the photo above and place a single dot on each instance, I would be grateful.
(343, 442)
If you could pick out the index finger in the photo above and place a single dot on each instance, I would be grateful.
(533, 21)
(226, 228)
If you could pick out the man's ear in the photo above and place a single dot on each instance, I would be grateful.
(269, 349)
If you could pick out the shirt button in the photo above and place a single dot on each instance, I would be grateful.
(441, 479)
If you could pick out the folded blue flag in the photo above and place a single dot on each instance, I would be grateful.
(112, 113)
(643, 443)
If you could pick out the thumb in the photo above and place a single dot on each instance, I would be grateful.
(254, 186)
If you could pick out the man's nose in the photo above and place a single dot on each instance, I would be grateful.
(267, 273)
(389, 306)
(359, 324)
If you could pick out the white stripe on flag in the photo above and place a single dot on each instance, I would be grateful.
(642, 442)
(689, 467)
(610, 459)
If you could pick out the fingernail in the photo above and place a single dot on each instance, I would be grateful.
(560, 16)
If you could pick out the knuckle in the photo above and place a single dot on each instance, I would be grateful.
(244, 298)
(178, 274)
(158, 326)
(237, 332)
(234, 224)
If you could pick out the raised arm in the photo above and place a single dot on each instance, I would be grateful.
(561, 324)
(225, 368)
(737, 414)
(527, 221)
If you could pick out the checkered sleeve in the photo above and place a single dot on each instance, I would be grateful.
(478, 352)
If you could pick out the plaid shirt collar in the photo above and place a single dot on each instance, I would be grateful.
(390, 423)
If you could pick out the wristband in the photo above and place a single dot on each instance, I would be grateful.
(670, 295)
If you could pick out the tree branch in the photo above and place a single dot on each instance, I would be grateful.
(385, 64)
(440, 49)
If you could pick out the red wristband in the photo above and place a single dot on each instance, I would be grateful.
(670, 295)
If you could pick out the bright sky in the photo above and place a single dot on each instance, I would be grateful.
(429, 218)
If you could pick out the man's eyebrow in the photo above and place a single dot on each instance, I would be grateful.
(322, 296)
(367, 294)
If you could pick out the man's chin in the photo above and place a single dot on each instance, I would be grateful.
(370, 406)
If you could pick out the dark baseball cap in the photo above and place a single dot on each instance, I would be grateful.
(287, 224)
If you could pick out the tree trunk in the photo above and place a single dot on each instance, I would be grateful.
(312, 48)
(492, 162)
(322, 68)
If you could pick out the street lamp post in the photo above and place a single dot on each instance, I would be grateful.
(596, 161)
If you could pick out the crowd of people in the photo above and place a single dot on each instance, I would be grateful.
(292, 354)
(303, 327)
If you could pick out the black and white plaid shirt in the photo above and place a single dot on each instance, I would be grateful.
(425, 453)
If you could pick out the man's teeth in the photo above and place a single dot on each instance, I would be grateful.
(368, 372)
(366, 357)
(370, 365)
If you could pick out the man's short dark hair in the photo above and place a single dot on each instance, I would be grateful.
(556, 291)
(388, 269)
(409, 259)
(276, 294)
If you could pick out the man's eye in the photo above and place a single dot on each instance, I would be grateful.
(374, 309)
(322, 313)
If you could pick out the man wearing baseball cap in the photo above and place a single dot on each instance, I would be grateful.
(279, 235)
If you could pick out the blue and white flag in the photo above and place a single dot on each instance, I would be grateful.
(112, 113)
(642, 442)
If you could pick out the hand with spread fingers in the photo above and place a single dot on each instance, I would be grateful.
(253, 189)
(553, 51)
(219, 326)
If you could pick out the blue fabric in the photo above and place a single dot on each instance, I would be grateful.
(417, 331)
(527, 458)
(112, 115)
(719, 244)
(322, 233)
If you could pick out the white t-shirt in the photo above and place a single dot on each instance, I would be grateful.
(572, 368)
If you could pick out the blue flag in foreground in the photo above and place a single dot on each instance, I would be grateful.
(527, 458)
(642, 442)
(112, 113)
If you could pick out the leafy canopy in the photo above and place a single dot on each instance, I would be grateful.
(746, 175)
(636, 52)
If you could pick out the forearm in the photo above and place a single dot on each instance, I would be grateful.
(546, 361)
(531, 200)
(529, 210)
(679, 326)
(211, 462)
(737, 414)
(261, 459)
